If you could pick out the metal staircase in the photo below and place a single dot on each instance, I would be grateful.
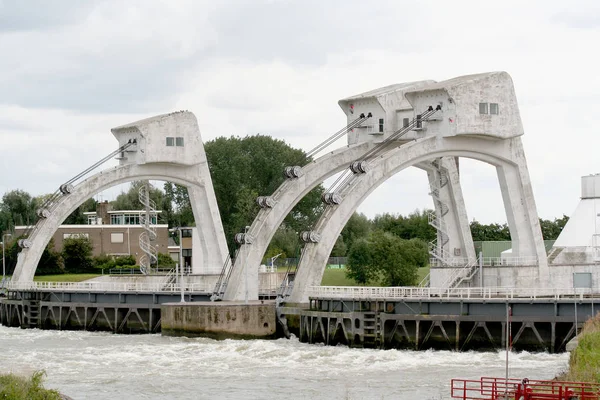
(170, 279)
(436, 218)
(147, 222)
(221, 284)
(462, 275)
(286, 287)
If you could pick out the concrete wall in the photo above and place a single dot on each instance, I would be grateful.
(219, 320)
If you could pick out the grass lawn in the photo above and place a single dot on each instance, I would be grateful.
(64, 277)
(422, 273)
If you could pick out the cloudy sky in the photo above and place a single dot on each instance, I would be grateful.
(71, 70)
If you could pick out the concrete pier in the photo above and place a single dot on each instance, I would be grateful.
(220, 320)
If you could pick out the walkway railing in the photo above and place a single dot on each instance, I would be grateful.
(110, 286)
(157, 287)
(414, 292)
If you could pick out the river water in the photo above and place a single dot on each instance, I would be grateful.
(92, 365)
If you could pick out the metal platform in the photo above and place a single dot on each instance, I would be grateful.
(456, 319)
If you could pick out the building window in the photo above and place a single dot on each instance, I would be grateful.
(116, 237)
(170, 141)
(92, 220)
(494, 108)
(131, 219)
(419, 122)
(186, 233)
(75, 235)
(179, 141)
(381, 125)
(483, 108)
(116, 219)
(186, 252)
(405, 122)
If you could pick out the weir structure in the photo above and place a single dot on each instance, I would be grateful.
(166, 147)
(429, 125)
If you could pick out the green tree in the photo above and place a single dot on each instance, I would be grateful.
(481, 232)
(20, 208)
(395, 258)
(286, 241)
(415, 225)
(177, 203)
(384, 255)
(77, 217)
(130, 200)
(339, 248)
(165, 261)
(358, 226)
(51, 261)
(359, 266)
(551, 229)
(77, 255)
(244, 168)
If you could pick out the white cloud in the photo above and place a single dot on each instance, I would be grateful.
(279, 67)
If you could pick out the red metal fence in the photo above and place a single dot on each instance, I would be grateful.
(514, 389)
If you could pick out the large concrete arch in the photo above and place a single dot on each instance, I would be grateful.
(506, 155)
(315, 255)
(193, 174)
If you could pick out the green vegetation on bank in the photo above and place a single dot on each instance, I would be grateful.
(13, 387)
(584, 364)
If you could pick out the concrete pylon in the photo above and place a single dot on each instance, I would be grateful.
(169, 147)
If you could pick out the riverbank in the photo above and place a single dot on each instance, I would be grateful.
(584, 363)
(14, 387)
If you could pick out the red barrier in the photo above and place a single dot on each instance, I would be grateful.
(515, 389)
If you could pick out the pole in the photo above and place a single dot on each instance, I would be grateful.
(4, 236)
(246, 267)
(3, 260)
(507, 342)
(481, 269)
(181, 285)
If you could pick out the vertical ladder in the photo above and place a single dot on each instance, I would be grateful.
(372, 336)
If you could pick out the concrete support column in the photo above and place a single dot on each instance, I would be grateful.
(457, 219)
(211, 255)
(521, 211)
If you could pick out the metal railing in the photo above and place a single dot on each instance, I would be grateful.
(110, 286)
(414, 292)
(509, 261)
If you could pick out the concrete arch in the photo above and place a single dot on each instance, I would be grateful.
(314, 259)
(506, 155)
(214, 248)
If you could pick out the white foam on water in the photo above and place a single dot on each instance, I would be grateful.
(88, 365)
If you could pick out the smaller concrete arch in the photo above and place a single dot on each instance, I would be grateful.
(150, 165)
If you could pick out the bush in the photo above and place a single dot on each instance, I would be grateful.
(165, 260)
(584, 364)
(104, 261)
(13, 387)
(77, 255)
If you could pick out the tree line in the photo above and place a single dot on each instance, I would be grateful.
(243, 169)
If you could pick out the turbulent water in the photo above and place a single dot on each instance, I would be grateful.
(87, 365)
